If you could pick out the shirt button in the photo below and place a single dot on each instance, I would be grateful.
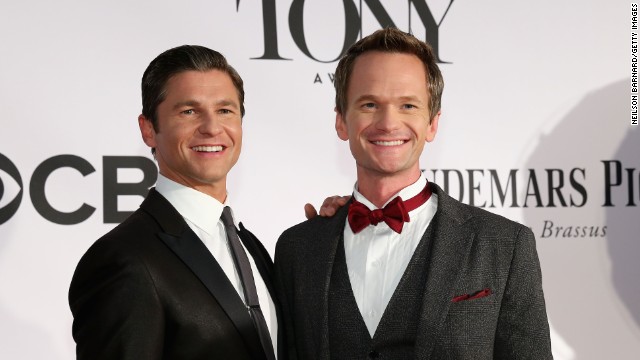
(372, 313)
(377, 263)
(373, 354)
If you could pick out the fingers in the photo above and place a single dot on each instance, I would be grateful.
(342, 200)
(332, 204)
(329, 206)
(310, 211)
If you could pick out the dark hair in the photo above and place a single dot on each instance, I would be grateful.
(390, 40)
(177, 60)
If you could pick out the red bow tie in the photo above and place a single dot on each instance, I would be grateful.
(395, 213)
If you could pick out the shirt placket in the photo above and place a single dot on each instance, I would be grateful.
(375, 276)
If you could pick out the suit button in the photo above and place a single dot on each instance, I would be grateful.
(373, 354)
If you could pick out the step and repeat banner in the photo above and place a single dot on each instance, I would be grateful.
(538, 124)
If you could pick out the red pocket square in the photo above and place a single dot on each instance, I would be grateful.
(476, 295)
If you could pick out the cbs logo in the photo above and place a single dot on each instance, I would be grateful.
(12, 188)
(8, 209)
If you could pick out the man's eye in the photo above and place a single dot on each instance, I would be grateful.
(369, 105)
(225, 111)
(408, 106)
(188, 112)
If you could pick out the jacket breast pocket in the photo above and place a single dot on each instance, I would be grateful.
(483, 301)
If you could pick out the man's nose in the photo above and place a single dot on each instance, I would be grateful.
(386, 119)
(209, 124)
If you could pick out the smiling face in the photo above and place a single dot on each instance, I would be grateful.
(199, 133)
(386, 119)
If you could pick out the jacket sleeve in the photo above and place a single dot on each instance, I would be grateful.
(523, 330)
(284, 288)
(117, 312)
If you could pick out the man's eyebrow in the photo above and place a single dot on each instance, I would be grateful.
(227, 102)
(410, 98)
(366, 97)
(188, 103)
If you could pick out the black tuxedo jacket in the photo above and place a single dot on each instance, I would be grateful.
(150, 289)
(483, 295)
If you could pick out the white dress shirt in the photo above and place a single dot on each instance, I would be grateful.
(202, 214)
(377, 256)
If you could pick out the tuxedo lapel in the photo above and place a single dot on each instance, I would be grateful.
(450, 247)
(324, 260)
(194, 254)
(265, 267)
(260, 257)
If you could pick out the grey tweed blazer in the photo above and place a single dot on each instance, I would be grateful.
(483, 297)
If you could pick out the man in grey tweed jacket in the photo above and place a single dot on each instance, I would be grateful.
(405, 271)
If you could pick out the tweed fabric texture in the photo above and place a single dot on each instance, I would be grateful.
(470, 250)
(395, 336)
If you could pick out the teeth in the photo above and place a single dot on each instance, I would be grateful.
(389, 143)
(207, 148)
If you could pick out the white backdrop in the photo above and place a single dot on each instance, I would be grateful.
(537, 90)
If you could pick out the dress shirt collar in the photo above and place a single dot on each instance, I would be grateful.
(405, 194)
(199, 208)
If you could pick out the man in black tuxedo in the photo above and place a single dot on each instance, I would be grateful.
(405, 271)
(164, 284)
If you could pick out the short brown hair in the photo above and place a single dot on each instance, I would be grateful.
(177, 60)
(394, 41)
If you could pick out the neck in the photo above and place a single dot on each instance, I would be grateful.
(217, 190)
(379, 188)
(219, 194)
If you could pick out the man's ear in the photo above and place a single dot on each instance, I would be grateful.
(341, 126)
(147, 131)
(432, 129)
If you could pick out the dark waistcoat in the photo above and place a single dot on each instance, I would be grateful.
(395, 335)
